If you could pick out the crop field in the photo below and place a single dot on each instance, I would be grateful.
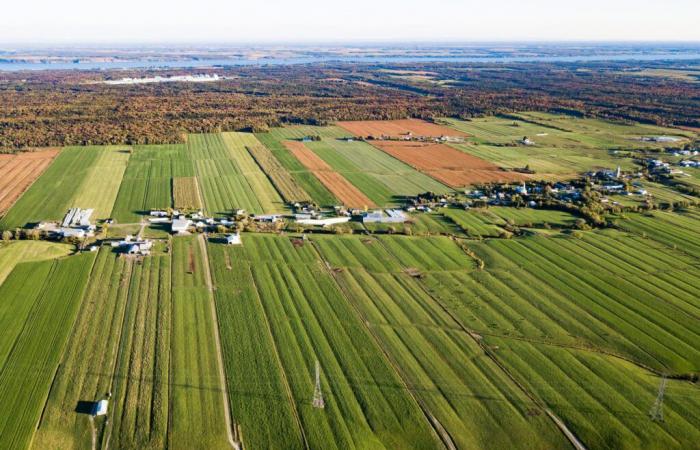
(381, 177)
(475, 223)
(556, 153)
(605, 400)
(398, 128)
(310, 320)
(186, 193)
(528, 217)
(87, 367)
(18, 172)
(341, 188)
(289, 188)
(607, 290)
(32, 348)
(228, 176)
(147, 182)
(446, 164)
(678, 231)
(101, 185)
(311, 185)
(59, 182)
(139, 407)
(14, 253)
(606, 134)
(197, 417)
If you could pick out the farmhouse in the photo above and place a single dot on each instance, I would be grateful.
(134, 246)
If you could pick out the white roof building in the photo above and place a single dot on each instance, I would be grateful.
(180, 225)
(100, 408)
(234, 239)
(324, 222)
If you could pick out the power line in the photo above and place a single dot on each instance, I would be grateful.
(318, 395)
(657, 410)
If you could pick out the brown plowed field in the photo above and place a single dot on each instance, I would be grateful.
(343, 190)
(446, 164)
(398, 128)
(18, 172)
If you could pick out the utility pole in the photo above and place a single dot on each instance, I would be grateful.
(318, 395)
(657, 411)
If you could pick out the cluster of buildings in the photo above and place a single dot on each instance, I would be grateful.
(75, 224)
(134, 246)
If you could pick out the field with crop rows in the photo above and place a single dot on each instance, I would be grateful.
(605, 400)
(186, 193)
(336, 183)
(290, 190)
(147, 182)
(101, 185)
(14, 253)
(197, 417)
(527, 217)
(678, 231)
(476, 223)
(220, 164)
(310, 320)
(18, 172)
(458, 387)
(606, 290)
(139, 408)
(311, 185)
(446, 164)
(32, 352)
(87, 367)
(59, 182)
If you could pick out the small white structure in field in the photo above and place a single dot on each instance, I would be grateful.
(100, 408)
(159, 214)
(234, 239)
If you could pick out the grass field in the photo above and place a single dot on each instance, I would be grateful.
(86, 372)
(678, 231)
(309, 320)
(140, 405)
(14, 253)
(605, 401)
(28, 368)
(59, 182)
(311, 185)
(101, 185)
(147, 182)
(197, 418)
(220, 165)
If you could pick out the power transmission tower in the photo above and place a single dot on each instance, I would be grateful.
(318, 395)
(657, 411)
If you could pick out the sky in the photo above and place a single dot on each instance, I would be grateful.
(318, 21)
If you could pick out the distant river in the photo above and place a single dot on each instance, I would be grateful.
(13, 66)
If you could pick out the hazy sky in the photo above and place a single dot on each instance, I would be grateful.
(62, 21)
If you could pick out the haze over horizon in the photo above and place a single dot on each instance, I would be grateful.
(315, 21)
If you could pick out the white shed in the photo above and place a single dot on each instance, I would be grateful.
(234, 239)
(100, 408)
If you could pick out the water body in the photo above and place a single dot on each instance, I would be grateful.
(136, 64)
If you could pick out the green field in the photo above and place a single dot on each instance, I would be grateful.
(197, 418)
(60, 182)
(32, 348)
(86, 372)
(228, 176)
(14, 253)
(147, 182)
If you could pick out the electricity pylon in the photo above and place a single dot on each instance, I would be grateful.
(318, 395)
(657, 411)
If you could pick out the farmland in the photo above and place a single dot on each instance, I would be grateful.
(18, 172)
(18, 252)
(398, 128)
(446, 164)
(341, 188)
(186, 193)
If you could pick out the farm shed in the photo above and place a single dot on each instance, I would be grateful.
(180, 225)
(324, 222)
(234, 239)
(100, 408)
